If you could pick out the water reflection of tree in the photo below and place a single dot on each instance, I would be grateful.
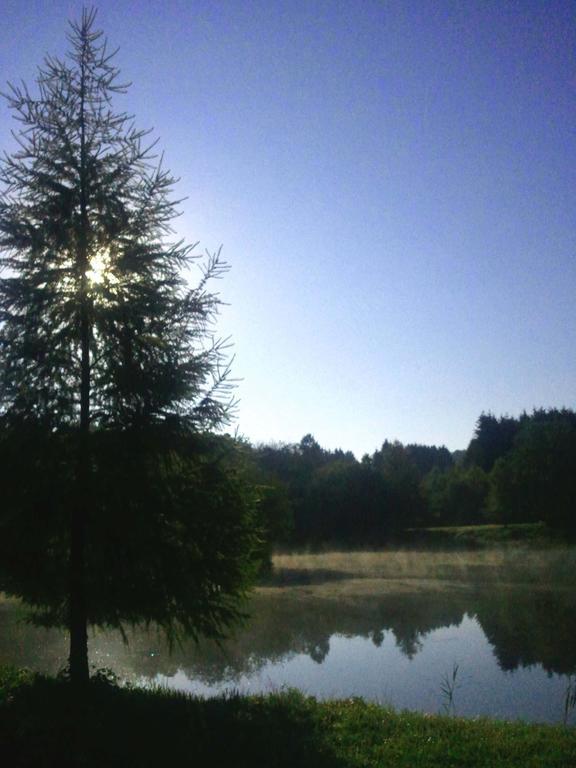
(319, 651)
(527, 627)
(282, 628)
(524, 625)
(26, 646)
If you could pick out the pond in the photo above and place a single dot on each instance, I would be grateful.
(465, 633)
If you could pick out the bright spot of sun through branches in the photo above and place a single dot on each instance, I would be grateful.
(100, 271)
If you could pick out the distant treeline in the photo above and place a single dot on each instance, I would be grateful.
(515, 470)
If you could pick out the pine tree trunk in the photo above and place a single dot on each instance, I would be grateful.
(78, 660)
(79, 671)
(78, 618)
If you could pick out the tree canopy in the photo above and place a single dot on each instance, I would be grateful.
(515, 470)
(111, 375)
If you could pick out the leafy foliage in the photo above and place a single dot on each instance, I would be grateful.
(85, 214)
(537, 479)
(457, 497)
(493, 437)
(516, 470)
(173, 528)
(118, 504)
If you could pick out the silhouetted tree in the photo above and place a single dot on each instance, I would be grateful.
(458, 496)
(335, 499)
(493, 438)
(536, 480)
(397, 466)
(427, 457)
(345, 503)
(110, 375)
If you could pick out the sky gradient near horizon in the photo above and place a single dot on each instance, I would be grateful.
(394, 184)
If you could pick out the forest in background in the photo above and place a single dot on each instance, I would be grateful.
(515, 470)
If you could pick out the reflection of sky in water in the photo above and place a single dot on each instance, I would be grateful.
(394, 647)
(356, 666)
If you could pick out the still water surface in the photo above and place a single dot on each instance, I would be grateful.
(509, 631)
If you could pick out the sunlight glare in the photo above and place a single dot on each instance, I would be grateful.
(100, 269)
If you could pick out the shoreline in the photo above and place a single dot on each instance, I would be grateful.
(111, 725)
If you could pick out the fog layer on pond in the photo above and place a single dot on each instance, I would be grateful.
(487, 633)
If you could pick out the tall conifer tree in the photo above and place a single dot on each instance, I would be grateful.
(100, 333)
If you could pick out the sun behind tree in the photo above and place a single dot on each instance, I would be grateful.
(110, 375)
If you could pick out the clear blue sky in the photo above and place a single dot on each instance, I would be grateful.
(394, 184)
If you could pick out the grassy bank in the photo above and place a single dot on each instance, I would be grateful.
(533, 535)
(392, 570)
(41, 724)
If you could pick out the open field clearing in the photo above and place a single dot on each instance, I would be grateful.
(390, 569)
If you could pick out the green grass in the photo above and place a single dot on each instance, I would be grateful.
(42, 724)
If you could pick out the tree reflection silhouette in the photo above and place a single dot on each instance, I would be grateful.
(524, 625)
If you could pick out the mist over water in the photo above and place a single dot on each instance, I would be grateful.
(389, 627)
